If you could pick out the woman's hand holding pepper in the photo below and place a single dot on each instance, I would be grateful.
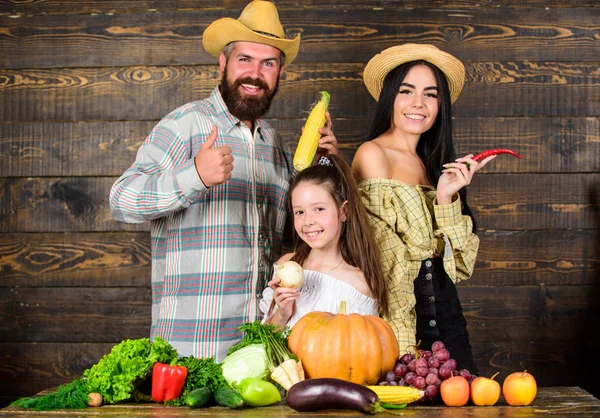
(457, 175)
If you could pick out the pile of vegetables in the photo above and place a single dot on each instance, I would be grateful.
(262, 354)
(250, 375)
(263, 351)
(123, 374)
(120, 375)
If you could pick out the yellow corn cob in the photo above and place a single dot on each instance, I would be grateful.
(309, 141)
(397, 395)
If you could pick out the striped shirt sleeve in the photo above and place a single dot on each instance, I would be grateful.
(162, 180)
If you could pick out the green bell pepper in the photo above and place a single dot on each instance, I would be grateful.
(258, 392)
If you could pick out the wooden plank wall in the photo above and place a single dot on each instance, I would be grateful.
(83, 82)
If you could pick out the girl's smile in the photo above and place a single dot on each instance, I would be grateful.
(313, 234)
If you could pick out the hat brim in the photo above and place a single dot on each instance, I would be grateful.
(222, 32)
(381, 64)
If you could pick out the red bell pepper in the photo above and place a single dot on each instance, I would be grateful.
(167, 381)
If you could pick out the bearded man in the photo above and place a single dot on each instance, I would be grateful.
(212, 177)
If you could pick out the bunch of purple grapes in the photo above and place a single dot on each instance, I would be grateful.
(426, 371)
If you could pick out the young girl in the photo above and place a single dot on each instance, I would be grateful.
(334, 245)
(414, 190)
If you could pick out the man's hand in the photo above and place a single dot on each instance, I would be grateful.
(328, 142)
(214, 165)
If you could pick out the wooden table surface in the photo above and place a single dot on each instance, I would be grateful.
(557, 401)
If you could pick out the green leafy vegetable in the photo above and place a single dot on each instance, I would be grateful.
(202, 373)
(249, 361)
(274, 341)
(72, 395)
(116, 375)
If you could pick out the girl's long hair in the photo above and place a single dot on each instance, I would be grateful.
(357, 242)
(436, 146)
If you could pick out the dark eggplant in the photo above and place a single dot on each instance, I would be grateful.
(328, 393)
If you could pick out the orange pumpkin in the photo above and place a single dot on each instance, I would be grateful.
(357, 348)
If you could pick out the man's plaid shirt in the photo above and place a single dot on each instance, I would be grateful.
(212, 248)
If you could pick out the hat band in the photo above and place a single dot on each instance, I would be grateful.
(270, 35)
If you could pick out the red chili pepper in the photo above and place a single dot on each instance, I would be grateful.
(167, 382)
(495, 151)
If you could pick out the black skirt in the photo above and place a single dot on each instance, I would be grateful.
(440, 315)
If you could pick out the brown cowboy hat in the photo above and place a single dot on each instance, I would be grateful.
(259, 22)
(388, 59)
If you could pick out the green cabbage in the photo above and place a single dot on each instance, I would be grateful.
(250, 361)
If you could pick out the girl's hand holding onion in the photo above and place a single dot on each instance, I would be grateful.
(288, 277)
(284, 298)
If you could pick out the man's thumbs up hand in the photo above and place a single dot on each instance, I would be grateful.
(210, 141)
(214, 165)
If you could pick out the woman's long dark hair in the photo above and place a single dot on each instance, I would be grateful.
(436, 146)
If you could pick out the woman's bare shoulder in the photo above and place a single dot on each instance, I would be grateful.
(370, 161)
(370, 148)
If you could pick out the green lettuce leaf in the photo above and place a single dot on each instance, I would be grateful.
(116, 375)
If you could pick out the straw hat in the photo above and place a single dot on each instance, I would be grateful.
(388, 59)
(259, 22)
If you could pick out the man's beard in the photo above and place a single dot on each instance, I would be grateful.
(245, 107)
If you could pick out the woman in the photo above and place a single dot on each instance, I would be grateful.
(414, 189)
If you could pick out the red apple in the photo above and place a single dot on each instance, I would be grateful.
(485, 391)
(519, 389)
(455, 391)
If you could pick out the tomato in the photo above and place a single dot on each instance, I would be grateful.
(258, 392)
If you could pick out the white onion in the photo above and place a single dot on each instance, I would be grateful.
(291, 274)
